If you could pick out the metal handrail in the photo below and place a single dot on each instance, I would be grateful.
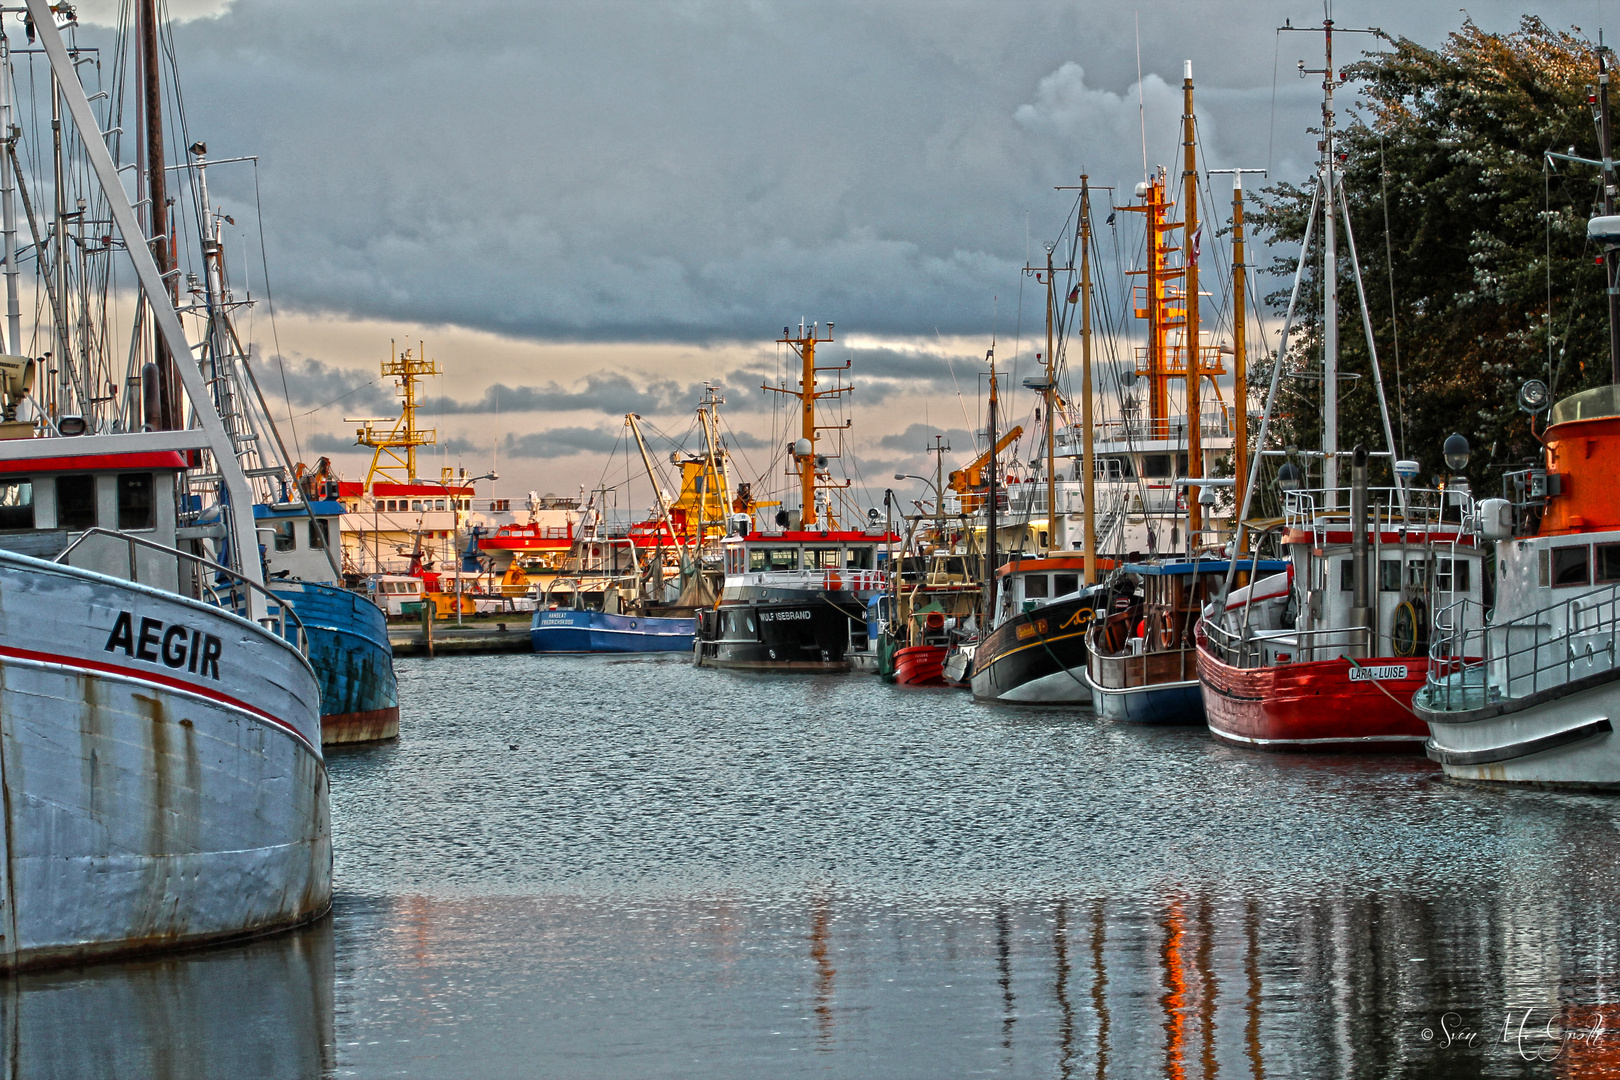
(1306, 508)
(274, 603)
(1242, 650)
(1473, 667)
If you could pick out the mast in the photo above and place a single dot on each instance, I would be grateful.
(1330, 292)
(1089, 481)
(1240, 359)
(404, 435)
(990, 520)
(64, 344)
(633, 419)
(8, 207)
(157, 214)
(1612, 256)
(1050, 393)
(1189, 261)
(804, 454)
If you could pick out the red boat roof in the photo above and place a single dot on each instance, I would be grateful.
(1036, 564)
(354, 489)
(159, 459)
(842, 536)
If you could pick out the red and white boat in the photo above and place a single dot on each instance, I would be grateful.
(1327, 655)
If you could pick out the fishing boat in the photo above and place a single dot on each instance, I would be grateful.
(937, 606)
(1143, 660)
(295, 511)
(1530, 696)
(1331, 658)
(795, 596)
(159, 722)
(1035, 652)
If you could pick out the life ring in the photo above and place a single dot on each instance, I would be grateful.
(1167, 633)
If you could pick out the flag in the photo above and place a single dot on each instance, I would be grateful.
(1198, 242)
(1074, 295)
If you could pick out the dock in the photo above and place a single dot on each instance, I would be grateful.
(448, 638)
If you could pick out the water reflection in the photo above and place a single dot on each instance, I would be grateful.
(689, 875)
(263, 1009)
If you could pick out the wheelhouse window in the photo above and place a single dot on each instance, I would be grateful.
(860, 558)
(1451, 575)
(1606, 562)
(781, 558)
(1037, 586)
(286, 537)
(1064, 584)
(320, 532)
(16, 505)
(1389, 575)
(821, 559)
(1571, 565)
(76, 502)
(1155, 466)
(136, 502)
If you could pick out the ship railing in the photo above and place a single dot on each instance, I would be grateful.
(1312, 510)
(228, 589)
(1474, 663)
(1246, 648)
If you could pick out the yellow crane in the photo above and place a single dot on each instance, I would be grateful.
(970, 478)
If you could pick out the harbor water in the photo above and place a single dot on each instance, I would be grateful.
(595, 867)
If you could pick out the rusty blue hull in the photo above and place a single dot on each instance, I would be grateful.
(163, 769)
(348, 648)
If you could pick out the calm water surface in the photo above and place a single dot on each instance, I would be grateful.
(584, 867)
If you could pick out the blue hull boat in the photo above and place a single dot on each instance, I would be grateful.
(599, 632)
(349, 650)
(1166, 703)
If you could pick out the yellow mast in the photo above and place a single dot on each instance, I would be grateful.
(387, 462)
(804, 454)
(1051, 414)
(1189, 261)
(1240, 368)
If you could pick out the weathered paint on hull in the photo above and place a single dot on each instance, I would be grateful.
(162, 763)
(348, 648)
(361, 727)
(1311, 706)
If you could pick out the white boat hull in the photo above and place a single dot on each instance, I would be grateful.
(1563, 740)
(162, 769)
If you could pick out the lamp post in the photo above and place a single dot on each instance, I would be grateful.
(455, 525)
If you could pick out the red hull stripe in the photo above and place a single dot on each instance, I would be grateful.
(155, 679)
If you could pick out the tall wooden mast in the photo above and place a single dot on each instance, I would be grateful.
(1089, 465)
(1189, 262)
(157, 212)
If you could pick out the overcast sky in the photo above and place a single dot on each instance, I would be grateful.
(588, 208)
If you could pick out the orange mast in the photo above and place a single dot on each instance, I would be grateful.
(807, 462)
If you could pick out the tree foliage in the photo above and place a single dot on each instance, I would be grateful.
(1447, 145)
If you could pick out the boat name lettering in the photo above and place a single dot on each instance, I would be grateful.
(1030, 629)
(175, 645)
(1372, 674)
(783, 616)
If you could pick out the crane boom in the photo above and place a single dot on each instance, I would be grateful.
(972, 475)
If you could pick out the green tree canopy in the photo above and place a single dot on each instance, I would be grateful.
(1447, 146)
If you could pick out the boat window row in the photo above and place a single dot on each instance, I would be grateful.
(1580, 564)
(286, 532)
(1044, 586)
(401, 588)
(420, 506)
(1124, 467)
(76, 503)
(807, 557)
(1449, 575)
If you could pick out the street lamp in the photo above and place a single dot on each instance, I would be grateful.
(455, 525)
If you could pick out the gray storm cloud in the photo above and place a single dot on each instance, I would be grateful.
(701, 171)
